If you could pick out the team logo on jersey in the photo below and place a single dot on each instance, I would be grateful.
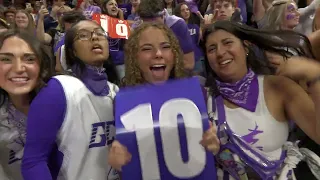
(192, 32)
(102, 133)
(14, 157)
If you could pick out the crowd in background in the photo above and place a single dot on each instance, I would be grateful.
(268, 46)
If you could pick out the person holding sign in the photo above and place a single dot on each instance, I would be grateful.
(153, 56)
(150, 10)
(76, 123)
(252, 108)
(110, 8)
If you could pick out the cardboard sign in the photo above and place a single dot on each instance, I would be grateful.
(162, 125)
(116, 28)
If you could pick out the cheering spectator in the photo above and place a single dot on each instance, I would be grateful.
(182, 10)
(150, 10)
(77, 105)
(110, 8)
(24, 20)
(25, 67)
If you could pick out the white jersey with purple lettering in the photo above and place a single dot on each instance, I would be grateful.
(87, 131)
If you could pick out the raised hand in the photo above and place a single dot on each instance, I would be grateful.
(211, 18)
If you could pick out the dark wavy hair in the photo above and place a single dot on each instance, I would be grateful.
(105, 10)
(193, 19)
(41, 52)
(285, 43)
(133, 75)
(72, 59)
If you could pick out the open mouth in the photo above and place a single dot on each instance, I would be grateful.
(97, 48)
(158, 71)
(114, 10)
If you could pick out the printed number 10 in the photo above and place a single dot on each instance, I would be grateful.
(140, 120)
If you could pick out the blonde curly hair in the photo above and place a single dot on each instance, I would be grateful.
(133, 74)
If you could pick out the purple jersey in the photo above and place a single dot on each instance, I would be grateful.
(91, 10)
(194, 31)
(116, 50)
(126, 8)
(180, 29)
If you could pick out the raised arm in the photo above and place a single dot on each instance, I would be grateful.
(258, 10)
(302, 108)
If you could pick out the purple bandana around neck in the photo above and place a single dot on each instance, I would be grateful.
(243, 93)
(94, 78)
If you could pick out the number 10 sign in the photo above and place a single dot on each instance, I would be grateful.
(162, 125)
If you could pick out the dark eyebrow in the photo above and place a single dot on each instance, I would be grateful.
(162, 43)
(165, 43)
(90, 30)
(6, 54)
(11, 55)
(223, 40)
(145, 45)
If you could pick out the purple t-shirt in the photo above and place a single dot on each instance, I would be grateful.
(194, 31)
(89, 11)
(180, 29)
(242, 5)
(126, 8)
(116, 50)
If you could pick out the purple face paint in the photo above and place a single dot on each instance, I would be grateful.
(290, 16)
(291, 8)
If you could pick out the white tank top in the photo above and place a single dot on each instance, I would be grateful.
(86, 133)
(259, 128)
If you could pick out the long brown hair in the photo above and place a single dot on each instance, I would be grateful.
(133, 75)
(43, 54)
(31, 24)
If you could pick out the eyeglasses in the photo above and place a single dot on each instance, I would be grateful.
(86, 35)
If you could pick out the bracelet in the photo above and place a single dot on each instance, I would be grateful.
(313, 81)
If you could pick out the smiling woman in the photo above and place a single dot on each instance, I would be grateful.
(25, 68)
(152, 55)
(81, 111)
(24, 20)
(255, 105)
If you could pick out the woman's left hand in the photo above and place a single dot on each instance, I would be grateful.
(210, 140)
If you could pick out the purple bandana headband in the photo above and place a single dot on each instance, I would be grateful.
(243, 93)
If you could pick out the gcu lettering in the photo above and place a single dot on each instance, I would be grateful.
(102, 134)
(192, 32)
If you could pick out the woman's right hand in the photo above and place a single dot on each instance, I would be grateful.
(118, 156)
